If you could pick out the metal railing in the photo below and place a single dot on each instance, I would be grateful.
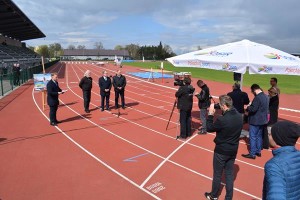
(10, 81)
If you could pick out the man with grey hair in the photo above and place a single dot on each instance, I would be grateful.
(228, 127)
(86, 84)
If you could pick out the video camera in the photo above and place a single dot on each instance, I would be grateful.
(179, 77)
(217, 106)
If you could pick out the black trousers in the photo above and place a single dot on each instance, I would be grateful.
(273, 116)
(52, 113)
(117, 94)
(16, 79)
(221, 162)
(86, 99)
(105, 98)
(185, 123)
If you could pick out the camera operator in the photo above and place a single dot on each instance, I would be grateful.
(228, 128)
(184, 104)
(203, 103)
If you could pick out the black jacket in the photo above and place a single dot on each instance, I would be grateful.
(104, 85)
(185, 97)
(203, 97)
(258, 110)
(52, 93)
(239, 99)
(119, 82)
(228, 129)
(86, 83)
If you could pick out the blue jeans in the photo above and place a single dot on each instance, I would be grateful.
(255, 135)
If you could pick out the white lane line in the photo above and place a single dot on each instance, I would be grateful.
(164, 161)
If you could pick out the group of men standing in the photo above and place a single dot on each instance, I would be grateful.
(105, 83)
(86, 83)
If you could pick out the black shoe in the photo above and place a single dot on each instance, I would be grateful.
(87, 111)
(107, 109)
(248, 156)
(123, 107)
(209, 197)
(179, 137)
(58, 122)
(116, 106)
(53, 124)
(202, 132)
(258, 154)
(102, 110)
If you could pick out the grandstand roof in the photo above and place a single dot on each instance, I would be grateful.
(94, 52)
(15, 24)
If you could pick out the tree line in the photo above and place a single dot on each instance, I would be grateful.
(136, 52)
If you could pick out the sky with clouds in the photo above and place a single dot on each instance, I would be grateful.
(183, 25)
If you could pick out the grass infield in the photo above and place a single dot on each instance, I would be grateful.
(287, 84)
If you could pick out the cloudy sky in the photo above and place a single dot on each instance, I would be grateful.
(182, 24)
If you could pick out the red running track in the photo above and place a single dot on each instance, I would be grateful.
(102, 156)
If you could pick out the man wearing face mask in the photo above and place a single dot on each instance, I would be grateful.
(228, 128)
(258, 118)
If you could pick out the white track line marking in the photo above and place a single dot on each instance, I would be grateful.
(164, 161)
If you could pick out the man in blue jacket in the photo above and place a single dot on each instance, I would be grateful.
(258, 118)
(282, 172)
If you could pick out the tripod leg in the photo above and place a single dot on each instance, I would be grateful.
(171, 114)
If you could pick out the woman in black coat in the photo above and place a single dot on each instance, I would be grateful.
(86, 84)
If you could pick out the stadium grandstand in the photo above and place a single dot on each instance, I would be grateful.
(94, 54)
(15, 28)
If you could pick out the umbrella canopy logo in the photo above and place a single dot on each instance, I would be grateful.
(214, 53)
(228, 67)
(265, 69)
(277, 57)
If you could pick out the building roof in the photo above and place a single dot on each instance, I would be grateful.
(15, 24)
(95, 52)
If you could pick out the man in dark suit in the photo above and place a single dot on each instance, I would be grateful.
(185, 104)
(105, 86)
(53, 90)
(258, 118)
(119, 83)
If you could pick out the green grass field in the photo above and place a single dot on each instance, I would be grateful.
(287, 84)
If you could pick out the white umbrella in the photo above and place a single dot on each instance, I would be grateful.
(238, 56)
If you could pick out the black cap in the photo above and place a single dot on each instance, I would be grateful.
(285, 133)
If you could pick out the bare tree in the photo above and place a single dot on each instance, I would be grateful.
(98, 45)
(80, 47)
